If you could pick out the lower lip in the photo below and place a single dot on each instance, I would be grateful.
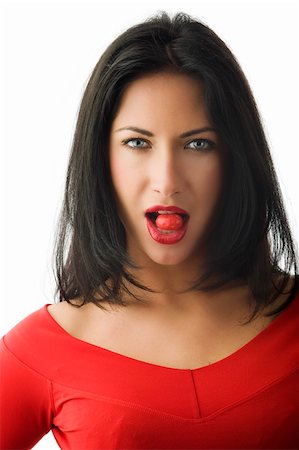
(170, 238)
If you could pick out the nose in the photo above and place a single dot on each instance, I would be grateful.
(167, 174)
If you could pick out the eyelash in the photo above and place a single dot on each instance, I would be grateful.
(210, 144)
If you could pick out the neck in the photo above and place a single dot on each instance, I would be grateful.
(169, 295)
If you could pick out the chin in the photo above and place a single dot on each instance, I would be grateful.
(168, 256)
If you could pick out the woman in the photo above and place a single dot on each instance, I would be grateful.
(176, 326)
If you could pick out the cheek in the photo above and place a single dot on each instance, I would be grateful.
(119, 172)
(210, 181)
(124, 179)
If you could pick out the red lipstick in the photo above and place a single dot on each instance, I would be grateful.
(172, 238)
(169, 234)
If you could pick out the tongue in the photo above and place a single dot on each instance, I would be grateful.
(169, 221)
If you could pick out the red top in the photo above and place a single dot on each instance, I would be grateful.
(94, 398)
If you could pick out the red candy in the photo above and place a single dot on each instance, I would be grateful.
(169, 221)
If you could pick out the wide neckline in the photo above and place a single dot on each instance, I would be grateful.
(250, 345)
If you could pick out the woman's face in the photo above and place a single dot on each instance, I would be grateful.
(164, 163)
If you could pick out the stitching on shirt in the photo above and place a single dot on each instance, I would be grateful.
(153, 411)
(51, 395)
(252, 396)
(49, 383)
(168, 416)
(196, 395)
(22, 362)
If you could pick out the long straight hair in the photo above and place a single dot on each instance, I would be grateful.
(250, 237)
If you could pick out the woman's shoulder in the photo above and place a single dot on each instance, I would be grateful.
(29, 341)
(32, 323)
(72, 315)
(41, 343)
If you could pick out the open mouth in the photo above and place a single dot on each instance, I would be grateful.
(167, 228)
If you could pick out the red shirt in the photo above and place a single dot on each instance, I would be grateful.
(94, 398)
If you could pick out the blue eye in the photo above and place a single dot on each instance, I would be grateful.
(204, 144)
(137, 140)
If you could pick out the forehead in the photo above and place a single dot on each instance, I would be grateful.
(163, 98)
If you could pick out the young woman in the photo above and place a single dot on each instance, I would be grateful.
(176, 326)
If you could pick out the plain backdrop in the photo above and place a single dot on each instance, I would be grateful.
(48, 51)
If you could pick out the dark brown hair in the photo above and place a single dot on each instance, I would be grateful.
(250, 237)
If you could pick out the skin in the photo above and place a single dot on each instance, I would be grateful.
(168, 170)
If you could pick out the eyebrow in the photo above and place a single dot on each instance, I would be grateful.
(183, 135)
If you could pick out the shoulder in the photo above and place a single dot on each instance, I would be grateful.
(77, 318)
(28, 325)
(75, 309)
(62, 308)
(28, 341)
(68, 315)
(43, 344)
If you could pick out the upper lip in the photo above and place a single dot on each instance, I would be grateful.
(172, 208)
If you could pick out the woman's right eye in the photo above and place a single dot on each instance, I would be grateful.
(138, 143)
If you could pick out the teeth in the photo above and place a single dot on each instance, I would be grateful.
(165, 212)
(164, 231)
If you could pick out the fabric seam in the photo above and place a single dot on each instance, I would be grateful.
(166, 415)
(51, 395)
(22, 362)
(47, 380)
(196, 396)
(203, 419)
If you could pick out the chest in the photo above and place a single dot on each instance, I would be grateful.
(187, 344)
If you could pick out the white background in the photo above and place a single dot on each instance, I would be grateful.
(48, 51)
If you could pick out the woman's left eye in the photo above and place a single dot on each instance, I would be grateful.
(203, 144)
